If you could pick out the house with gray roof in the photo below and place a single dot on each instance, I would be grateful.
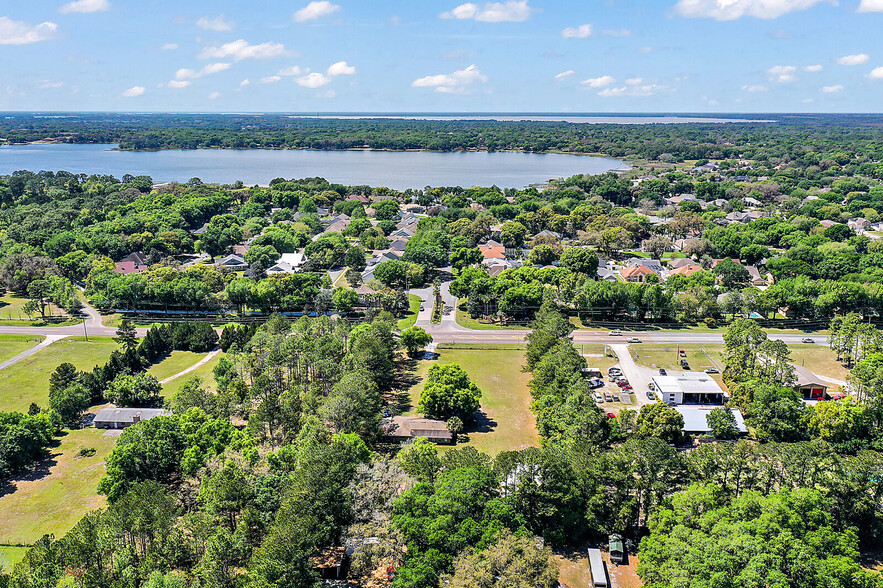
(120, 418)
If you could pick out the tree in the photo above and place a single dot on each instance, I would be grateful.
(657, 246)
(722, 423)
(580, 260)
(541, 255)
(512, 234)
(261, 257)
(741, 342)
(510, 562)
(63, 376)
(127, 336)
(70, 403)
(344, 299)
(464, 257)
(659, 420)
(420, 459)
(449, 392)
(414, 339)
(139, 390)
(455, 425)
(776, 412)
(731, 273)
(354, 258)
(838, 421)
(392, 273)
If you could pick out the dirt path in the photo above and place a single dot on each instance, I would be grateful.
(192, 368)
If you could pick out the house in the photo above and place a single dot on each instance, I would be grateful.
(607, 275)
(810, 385)
(492, 252)
(685, 270)
(408, 218)
(681, 262)
(288, 263)
(336, 218)
(134, 263)
(233, 262)
(653, 264)
(548, 233)
(636, 273)
(120, 418)
(828, 223)
(696, 419)
(737, 217)
(756, 278)
(679, 244)
(405, 233)
(338, 226)
(358, 197)
(858, 224)
(398, 245)
(414, 208)
(402, 428)
(689, 388)
(200, 230)
(752, 201)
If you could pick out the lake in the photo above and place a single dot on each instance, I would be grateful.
(394, 169)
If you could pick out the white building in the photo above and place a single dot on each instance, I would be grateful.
(689, 388)
(696, 419)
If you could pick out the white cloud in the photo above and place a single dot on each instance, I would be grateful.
(616, 33)
(565, 74)
(341, 68)
(315, 10)
(85, 6)
(244, 83)
(633, 81)
(857, 59)
(217, 24)
(242, 49)
(599, 82)
(510, 11)
(832, 89)
(876, 73)
(169, 46)
(870, 6)
(457, 82)
(212, 68)
(313, 80)
(270, 79)
(645, 90)
(646, 50)
(783, 73)
(214, 95)
(133, 92)
(754, 88)
(328, 95)
(813, 68)
(733, 9)
(50, 85)
(178, 84)
(580, 32)
(15, 32)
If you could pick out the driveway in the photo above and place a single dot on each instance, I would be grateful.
(638, 376)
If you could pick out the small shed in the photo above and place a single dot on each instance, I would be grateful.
(810, 385)
(616, 548)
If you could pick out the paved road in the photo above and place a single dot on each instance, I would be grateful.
(48, 340)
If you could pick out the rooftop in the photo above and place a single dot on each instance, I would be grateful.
(689, 382)
(696, 418)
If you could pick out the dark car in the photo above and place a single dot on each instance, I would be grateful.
(662, 371)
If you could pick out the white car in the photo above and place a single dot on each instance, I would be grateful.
(615, 334)
(633, 340)
(598, 398)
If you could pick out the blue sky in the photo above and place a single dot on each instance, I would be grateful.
(442, 56)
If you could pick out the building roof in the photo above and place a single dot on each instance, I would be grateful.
(696, 418)
(293, 259)
(136, 257)
(403, 426)
(128, 415)
(636, 270)
(492, 251)
(689, 382)
(681, 262)
(129, 267)
(685, 270)
(232, 260)
(807, 378)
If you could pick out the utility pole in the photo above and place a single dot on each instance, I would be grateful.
(85, 332)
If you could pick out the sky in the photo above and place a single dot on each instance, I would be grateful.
(562, 56)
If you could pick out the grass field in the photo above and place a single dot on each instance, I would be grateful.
(464, 320)
(9, 556)
(12, 345)
(204, 371)
(414, 307)
(175, 363)
(11, 309)
(27, 381)
(506, 422)
(59, 492)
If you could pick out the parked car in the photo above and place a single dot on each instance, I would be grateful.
(610, 415)
(598, 398)
(608, 397)
(633, 340)
(625, 385)
(651, 395)
(807, 340)
(682, 352)
(615, 334)
(613, 371)
(711, 371)
(661, 371)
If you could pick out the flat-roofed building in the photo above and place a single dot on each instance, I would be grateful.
(689, 388)
(696, 419)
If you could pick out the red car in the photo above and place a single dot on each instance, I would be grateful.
(610, 415)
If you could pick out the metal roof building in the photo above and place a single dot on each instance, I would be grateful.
(696, 419)
(689, 388)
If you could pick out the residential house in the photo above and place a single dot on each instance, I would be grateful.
(752, 201)
(232, 262)
(200, 230)
(120, 418)
(737, 217)
(681, 262)
(398, 245)
(636, 273)
(338, 226)
(402, 428)
(685, 270)
(653, 264)
(358, 197)
(756, 279)
(548, 233)
(407, 219)
(414, 208)
(134, 263)
(828, 223)
(288, 263)
(607, 275)
(492, 252)
(405, 233)
(810, 385)
(858, 224)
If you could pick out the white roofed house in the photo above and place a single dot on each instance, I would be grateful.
(689, 388)
(696, 419)
(233, 262)
(288, 263)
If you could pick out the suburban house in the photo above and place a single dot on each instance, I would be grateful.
(858, 224)
(359, 198)
(337, 226)
(134, 263)
(607, 275)
(636, 273)
(756, 278)
(681, 262)
(685, 270)
(653, 264)
(696, 419)
(288, 263)
(810, 385)
(405, 232)
(492, 252)
(689, 388)
(233, 262)
(403, 428)
(120, 418)
(737, 217)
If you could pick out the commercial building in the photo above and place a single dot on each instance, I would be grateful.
(689, 388)
(696, 419)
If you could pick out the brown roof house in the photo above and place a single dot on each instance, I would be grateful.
(636, 273)
(134, 263)
(402, 428)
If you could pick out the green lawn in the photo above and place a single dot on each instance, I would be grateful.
(506, 422)
(204, 371)
(12, 345)
(52, 501)
(414, 307)
(27, 381)
(9, 556)
(819, 360)
(11, 313)
(175, 363)
(464, 320)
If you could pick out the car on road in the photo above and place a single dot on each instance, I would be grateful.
(633, 340)
(807, 340)
(662, 371)
(615, 334)
(711, 371)
(651, 395)
(598, 398)
(422, 308)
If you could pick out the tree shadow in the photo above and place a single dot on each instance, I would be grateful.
(482, 424)
(38, 471)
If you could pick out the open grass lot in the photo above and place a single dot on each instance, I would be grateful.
(666, 356)
(175, 363)
(11, 309)
(62, 488)
(819, 360)
(506, 422)
(464, 320)
(9, 556)
(12, 345)
(27, 381)
(204, 371)
(414, 307)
